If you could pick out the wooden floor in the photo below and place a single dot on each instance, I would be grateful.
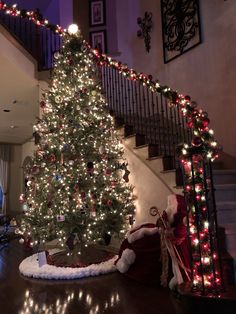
(112, 293)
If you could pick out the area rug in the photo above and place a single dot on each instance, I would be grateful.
(29, 267)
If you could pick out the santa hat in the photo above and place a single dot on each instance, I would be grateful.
(176, 208)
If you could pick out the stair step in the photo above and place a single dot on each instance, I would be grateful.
(225, 192)
(230, 232)
(222, 176)
(141, 146)
(226, 212)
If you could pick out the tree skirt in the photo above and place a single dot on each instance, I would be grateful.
(29, 267)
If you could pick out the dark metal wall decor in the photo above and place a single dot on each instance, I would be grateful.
(180, 27)
(146, 26)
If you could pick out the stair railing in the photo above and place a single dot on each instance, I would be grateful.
(173, 124)
(25, 27)
(165, 118)
(154, 119)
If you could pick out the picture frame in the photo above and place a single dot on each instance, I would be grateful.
(97, 13)
(181, 27)
(98, 41)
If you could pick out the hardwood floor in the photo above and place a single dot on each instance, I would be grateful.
(112, 293)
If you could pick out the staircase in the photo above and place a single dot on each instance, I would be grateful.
(225, 185)
(153, 126)
(152, 184)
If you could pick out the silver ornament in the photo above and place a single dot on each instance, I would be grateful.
(101, 149)
(57, 55)
(71, 162)
(58, 99)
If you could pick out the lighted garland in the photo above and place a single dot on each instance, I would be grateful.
(203, 147)
(34, 16)
(197, 119)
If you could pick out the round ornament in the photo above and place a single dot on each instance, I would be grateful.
(57, 55)
(71, 162)
(101, 149)
(58, 99)
(93, 93)
(197, 141)
(35, 169)
(21, 241)
(109, 203)
(52, 157)
(108, 172)
(42, 104)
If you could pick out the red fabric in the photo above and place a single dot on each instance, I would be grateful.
(147, 266)
(179, 229)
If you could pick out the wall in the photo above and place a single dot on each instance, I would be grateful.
(148, 188)
(14, 179)
(207, 72)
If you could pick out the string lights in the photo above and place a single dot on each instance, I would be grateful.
(194, 156)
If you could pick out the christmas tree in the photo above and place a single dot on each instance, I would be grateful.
(76, 185)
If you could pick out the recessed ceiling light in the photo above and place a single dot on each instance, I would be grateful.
(12, 126)
(6, 110)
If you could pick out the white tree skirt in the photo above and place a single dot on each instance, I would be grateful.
(29, 267)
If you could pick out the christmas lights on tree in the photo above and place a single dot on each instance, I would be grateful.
(74, 182)
(76, 192)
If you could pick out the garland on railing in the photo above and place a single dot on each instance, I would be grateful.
(197, 119)
(203, 147)
(34, 16)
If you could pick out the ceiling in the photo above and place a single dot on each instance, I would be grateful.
(19, 94)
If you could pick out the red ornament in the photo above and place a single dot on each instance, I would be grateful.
(52, 157)
(190, 124)
(83, 195)
(22, 198)
(205, 122)
(27, 244)
(71, 62)
(42, 104)
(197, 141)
(113, 183)
(35, 169)
(109, 203)
(108, 171)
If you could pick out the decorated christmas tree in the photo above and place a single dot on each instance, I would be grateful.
(77, 188)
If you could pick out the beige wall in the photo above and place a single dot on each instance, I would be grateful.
(14, 179)
(207, 72)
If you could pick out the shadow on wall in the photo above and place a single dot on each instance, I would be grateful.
(1, 196)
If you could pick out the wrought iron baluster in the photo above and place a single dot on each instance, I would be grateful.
(144, 103)
(136, 101)
(214, 214)
(172, 129)
(153, 119)
(168, 128)
(123, 95)
(149, 124)
(129, 102)
(197, 221)
(163, 129)
(125, 104)
(133, 114)
(116, 91)
(111, 100)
